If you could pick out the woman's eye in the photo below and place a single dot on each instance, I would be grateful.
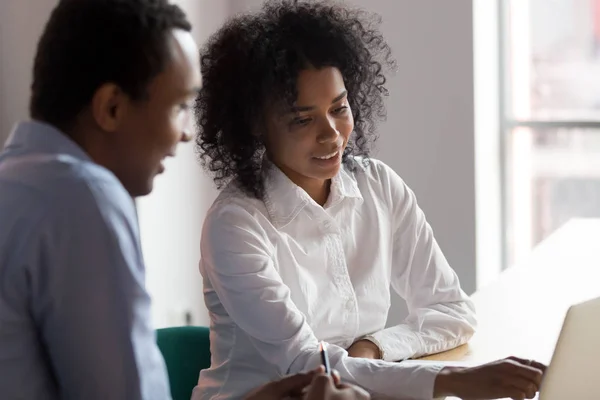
(300, 121)
(340, 110)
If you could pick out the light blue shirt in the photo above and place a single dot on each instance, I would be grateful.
(74, 310)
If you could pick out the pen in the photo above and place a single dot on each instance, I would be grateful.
(324, 357)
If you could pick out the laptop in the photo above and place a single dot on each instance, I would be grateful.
(574, 371)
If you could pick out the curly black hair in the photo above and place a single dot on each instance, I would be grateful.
(253, 62)
(87, 43)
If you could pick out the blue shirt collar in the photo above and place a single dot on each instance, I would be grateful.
(39, 137)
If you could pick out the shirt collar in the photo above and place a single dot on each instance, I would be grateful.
(284, 199)
(39, 137)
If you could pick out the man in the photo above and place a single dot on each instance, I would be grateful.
(113, 83)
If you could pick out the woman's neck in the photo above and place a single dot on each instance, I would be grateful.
(317, 189)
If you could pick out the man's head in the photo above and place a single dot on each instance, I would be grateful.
(119, 77)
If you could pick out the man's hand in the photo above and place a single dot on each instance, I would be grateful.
(364, 349)
(512, 377)
(319, 385)
(324, 387)
(290, 386)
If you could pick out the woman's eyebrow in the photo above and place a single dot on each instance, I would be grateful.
(297, 109)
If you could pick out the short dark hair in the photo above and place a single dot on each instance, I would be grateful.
(254, 61)
(87, 43)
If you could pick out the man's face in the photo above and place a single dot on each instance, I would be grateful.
(150, 129)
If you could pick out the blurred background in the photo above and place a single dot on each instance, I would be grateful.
(493, 120)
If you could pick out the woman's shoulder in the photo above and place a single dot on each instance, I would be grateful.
(234, 202)
(378, 181)
(371, 170)
(236, 223)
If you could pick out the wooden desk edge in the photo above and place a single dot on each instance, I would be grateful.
(460, 353)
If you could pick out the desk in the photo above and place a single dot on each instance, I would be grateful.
(522, 312)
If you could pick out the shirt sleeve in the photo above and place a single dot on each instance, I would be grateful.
(441, 316)
(90, 302)
(237, 260)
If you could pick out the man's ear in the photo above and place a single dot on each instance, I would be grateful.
(109, 106)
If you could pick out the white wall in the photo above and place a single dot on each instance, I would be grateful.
(487, 141)
(429, 135)
(171, 216)
(21, 24)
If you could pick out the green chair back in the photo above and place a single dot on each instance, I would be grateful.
(186, 351)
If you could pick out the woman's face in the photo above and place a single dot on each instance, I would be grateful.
(307, 142)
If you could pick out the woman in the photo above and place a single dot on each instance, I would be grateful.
(309, 234)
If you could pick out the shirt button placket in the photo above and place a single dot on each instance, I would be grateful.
(341, 277)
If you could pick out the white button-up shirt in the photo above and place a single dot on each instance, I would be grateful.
(282, 273)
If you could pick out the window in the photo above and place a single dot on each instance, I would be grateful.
(549, 118)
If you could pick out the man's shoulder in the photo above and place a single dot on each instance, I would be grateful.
(60, 184)
(44, 169)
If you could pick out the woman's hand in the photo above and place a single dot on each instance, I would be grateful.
(512, 377)
(364, 349)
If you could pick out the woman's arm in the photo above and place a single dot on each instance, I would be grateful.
(236, 258)
(441, 316)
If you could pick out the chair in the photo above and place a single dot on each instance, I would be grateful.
(186, 351)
